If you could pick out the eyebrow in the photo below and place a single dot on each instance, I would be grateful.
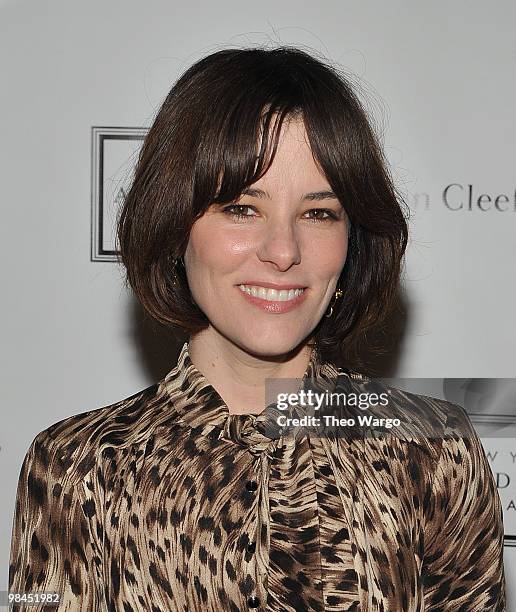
(313, 195)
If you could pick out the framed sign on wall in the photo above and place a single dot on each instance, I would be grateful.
(114, 153)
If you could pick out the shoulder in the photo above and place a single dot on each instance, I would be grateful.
(421, 415)
(72, 445)
(441, 430)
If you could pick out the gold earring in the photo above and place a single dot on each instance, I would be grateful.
(175, 263)
(338, 294)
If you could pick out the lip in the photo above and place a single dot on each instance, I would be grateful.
(271, 285)
(275, 307)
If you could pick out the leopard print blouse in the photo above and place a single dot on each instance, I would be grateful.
(164, 501)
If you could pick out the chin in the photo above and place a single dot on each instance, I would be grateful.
(274, 345)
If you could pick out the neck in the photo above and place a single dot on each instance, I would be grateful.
(239, 376)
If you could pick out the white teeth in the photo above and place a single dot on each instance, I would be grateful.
(271, 295)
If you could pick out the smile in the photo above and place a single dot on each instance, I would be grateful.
(271, 295)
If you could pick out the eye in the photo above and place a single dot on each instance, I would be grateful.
(235, 210)
(331, 215)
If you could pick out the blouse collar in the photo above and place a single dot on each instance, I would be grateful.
(198, 404)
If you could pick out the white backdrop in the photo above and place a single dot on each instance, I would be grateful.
(438, 76)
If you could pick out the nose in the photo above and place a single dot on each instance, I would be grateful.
(280, 246)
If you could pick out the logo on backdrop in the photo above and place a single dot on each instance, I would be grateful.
(465, 197)
(114, 153)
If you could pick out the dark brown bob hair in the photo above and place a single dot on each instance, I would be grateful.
(216, 134)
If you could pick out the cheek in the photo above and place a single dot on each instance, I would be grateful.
(212, 250)
(329, 255)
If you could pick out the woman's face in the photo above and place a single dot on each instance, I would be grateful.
(292, 235)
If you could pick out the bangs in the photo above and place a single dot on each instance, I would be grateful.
(245, 152)
(239, 144)
(249, 153)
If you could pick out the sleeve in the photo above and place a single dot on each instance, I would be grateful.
(463, 567)
(52, 548)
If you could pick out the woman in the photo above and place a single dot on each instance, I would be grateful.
(263, 222)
